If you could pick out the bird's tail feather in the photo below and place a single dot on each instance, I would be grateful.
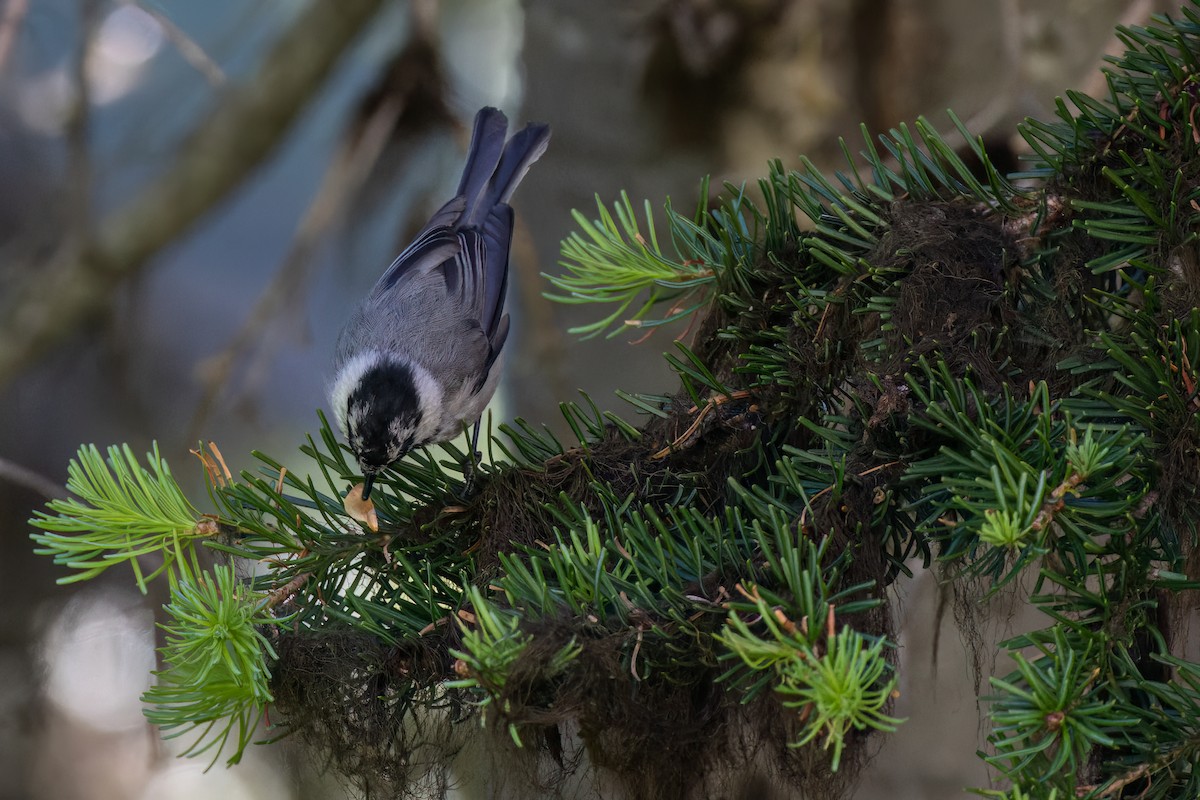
(483, 156)
(493, 167)
(525, 147)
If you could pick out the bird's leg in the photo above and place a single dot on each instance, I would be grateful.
(471, 468)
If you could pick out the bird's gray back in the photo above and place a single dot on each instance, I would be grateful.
(419, 322)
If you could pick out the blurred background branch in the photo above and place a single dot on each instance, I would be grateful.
(27, 478)
(48, 303)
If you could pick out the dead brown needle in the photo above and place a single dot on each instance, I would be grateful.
(821, 323)
(221, 460)
(808, 505)
(437, 623)
(750, 594)
(211, 470)
(633, 659)
(637, 323)
(788, 626)
(621, 549)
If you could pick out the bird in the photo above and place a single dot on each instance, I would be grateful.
(419, 357)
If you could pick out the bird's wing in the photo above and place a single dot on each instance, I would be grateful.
(495, 344)
(434, 245)
(477, 278)
(466, 274)
(497, 238)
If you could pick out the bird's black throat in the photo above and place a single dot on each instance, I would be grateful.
(384, 411)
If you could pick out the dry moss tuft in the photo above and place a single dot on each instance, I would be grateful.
(354, 699)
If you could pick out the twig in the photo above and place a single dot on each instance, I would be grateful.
(221, 152)
(1056, 502)
(686, 436)
(1117, 785)
(27, 478)
(280, 595)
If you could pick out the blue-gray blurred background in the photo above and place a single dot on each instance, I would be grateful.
(225, 332)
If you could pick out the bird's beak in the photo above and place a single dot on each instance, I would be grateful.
(368, 482)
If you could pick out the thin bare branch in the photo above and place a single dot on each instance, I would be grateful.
(28, 479)
(222, 151)
(187, 47)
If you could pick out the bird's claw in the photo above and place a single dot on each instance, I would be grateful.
(470, 475)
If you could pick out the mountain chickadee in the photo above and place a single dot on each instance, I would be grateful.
(420, 355)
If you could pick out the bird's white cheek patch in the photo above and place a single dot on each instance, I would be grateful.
(431, 397)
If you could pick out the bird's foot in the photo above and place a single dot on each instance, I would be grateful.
(471, 472)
